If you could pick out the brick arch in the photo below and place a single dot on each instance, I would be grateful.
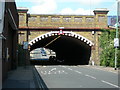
(66, 33)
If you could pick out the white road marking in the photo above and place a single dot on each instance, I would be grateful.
(110, 83)
(53, 69)
(78, 72)
(74, 66)
(69, 68)
(37, 66)
(65, 72)
(44, 72)
(63, 66)
(60, 65)
(59, 72)
(49, 72)
(44, 66)
(90, 76)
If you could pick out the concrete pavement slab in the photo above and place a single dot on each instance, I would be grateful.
(22, 77)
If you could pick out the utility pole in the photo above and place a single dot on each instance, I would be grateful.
(116, 40)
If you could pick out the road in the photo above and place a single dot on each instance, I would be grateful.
(77, 77)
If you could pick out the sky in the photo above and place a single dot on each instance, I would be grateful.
(68, 7)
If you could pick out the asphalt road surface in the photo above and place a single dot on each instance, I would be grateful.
(77, 77)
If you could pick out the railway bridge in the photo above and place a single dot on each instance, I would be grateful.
(74, 38)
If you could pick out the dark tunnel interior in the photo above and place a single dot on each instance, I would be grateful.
(73, 51)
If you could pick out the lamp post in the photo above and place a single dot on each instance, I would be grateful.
(116, 40)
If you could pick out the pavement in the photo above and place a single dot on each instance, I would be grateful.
(21, 78)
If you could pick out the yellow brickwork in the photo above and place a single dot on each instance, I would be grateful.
(85, 24)
(88, 35)
(99, 20)
(87, 21)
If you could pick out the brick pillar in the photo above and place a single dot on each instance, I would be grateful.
(101, 17)
(23, 17)
(93, 49)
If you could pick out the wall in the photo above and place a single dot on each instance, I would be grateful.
(56, 21)
(9, 49)
(2, 7)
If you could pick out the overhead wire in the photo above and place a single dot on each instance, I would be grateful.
(52, 41)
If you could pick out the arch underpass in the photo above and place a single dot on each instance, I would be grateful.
(73, 48)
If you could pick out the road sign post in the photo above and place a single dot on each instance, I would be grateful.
(116, 40)
(25, 47)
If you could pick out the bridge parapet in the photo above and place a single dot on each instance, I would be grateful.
(99, 20)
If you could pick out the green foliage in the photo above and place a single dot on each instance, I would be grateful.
(107, 56)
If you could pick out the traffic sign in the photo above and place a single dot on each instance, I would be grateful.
(116, 42)
(25, 45)
(60, 32)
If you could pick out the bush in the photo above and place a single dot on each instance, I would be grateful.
(107, 56)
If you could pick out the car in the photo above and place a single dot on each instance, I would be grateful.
(43, 52)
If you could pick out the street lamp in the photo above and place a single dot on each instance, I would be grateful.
(116, 40)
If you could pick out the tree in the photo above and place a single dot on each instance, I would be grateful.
(107, 56)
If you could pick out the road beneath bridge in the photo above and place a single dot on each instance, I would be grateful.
(61, 76)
